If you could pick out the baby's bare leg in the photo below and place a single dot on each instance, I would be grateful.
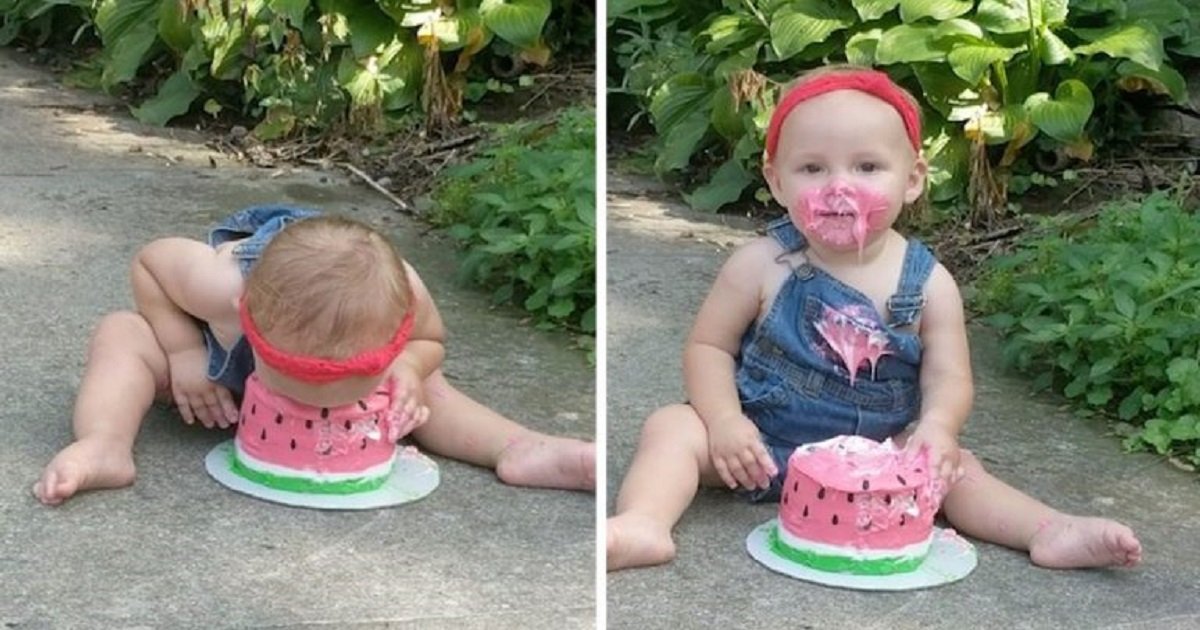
(989, 509)
(463, 429)
(671, 462)
(125, 368)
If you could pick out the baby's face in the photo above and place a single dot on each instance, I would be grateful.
(842, 141)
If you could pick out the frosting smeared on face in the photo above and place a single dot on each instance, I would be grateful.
(852, 336)
(840, 215)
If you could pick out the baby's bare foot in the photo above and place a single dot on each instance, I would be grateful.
(548, 462)
(636, 541)
(1078, 542)
(86, 464)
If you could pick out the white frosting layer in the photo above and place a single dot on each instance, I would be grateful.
(909, 551)
(378, 470)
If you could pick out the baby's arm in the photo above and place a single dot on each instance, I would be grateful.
(709, 362)
(425, 349)
(946, 387)
(175, 282)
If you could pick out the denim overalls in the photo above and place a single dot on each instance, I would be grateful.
(797, 390)
(256, 225)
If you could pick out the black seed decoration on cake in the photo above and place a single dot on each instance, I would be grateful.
(308, 424)
(264, 435)
(849, 497)
(887, 498)
(785, 497)
(253, 409)
(835, 519)
(901, 480)
(278, 418)
(805, 515)
(821, 493)
(795, 486)
(362, 405)
(901, 519)
(364, 444)
(324, 412)
(347, 425)
(293, 444)
(375, 421)
(866, 485)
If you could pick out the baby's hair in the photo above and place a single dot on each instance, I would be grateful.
(329, 287)
(834, 69)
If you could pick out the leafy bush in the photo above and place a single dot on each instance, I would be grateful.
(301, 63)
(1109, 314)
(997, 72)
(525, 211)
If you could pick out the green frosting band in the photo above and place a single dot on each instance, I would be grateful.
(306, 486)
(842, 564)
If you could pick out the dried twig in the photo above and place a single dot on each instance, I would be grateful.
(1082, 187)
(404, 207)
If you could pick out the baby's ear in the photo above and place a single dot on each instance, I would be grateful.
(916, 180)
(772, 177)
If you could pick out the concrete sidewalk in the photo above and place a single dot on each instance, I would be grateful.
(79, 193)
(662, 260)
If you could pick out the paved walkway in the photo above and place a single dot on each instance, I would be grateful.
(661, 261)
(79, 193)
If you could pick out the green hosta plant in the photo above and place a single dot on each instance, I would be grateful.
(999, 73)
(302, 63)
(1108, 314)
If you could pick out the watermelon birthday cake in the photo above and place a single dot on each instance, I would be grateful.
(284, 445)
(856, 506)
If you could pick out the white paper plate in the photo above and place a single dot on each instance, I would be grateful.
(951, 558)
(413, 477)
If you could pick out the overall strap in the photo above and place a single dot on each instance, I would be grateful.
(792, 241)
(904, 307)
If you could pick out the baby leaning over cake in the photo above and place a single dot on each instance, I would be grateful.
(835, 324)
(337, 315)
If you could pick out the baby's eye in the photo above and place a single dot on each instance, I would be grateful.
(870, 167)
(810, 169)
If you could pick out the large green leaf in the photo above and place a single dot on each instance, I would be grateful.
(860, 48)
(798, 24)
(732, 31)
(1054, 50)
(368, 28)
(913, 10)
(1170, 17)
(679, 98)
(947, 153)
(625, 8)
(906, 43)
(518, 22)
(128, 28)
(1064, 116)
(972, 61)
(292, 10)
(726, 186)
(726, 118)
(942, 89)
(173, 27)
(174, 97)
(1166, 80)
(681, 141)
(873, 9)
(1139, 41)
(1014, 16)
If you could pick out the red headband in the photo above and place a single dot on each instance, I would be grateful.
(319, 370)
(872, 82)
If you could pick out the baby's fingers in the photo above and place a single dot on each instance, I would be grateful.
(755, 475)
(764, 459)
(185, 407)
(227, 406)
(724, 473)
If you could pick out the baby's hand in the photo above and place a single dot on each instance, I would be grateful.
(942, 447)
(408, 406)
(197, 397)
(739, 455)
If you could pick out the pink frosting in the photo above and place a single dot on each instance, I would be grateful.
(841, 215)
(853, 336)
(853, 491)
(277, 430)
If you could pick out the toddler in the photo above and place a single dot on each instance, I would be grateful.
(323, 311)
(835, 324)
